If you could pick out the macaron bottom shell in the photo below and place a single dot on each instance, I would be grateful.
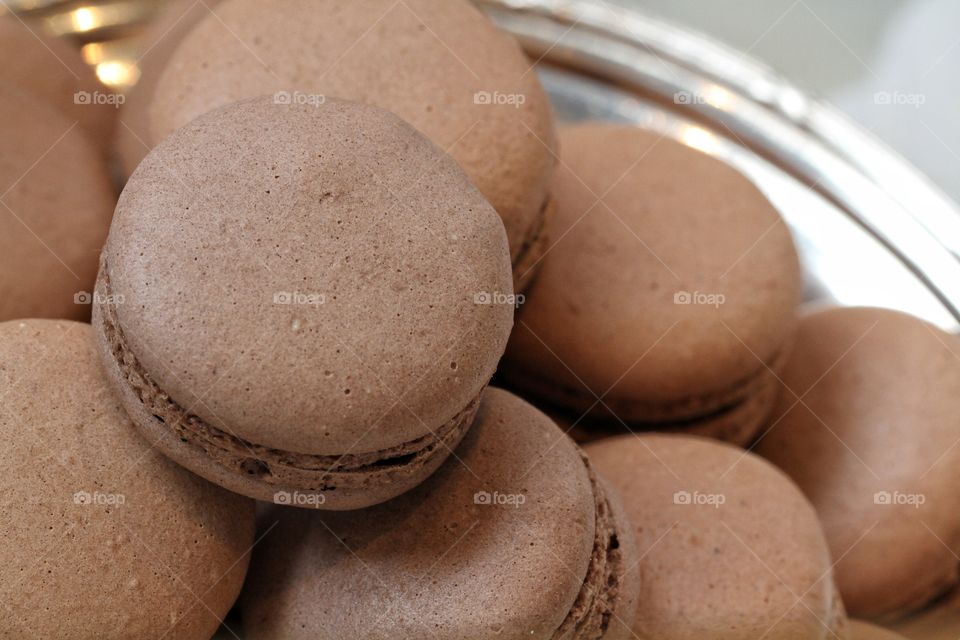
(336, 482)
(735, 415)
(514, 537)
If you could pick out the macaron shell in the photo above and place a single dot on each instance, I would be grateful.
(872, 444)
(716, 527)
(102, 536)
(425, 60)
(446, 560)
(612, 312)
(385, 341)
(56, 210)
(54, 72)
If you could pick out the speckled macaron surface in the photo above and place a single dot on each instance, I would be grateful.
(438, 64)
(306, 297)
(54, 212)
(514, 538)
(668, 295)
(730, 548)
(53, 71)
(101, 536)
(868, 428)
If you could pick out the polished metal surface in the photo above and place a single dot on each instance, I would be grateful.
(871, 229)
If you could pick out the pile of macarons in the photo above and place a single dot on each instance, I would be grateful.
(330, 331)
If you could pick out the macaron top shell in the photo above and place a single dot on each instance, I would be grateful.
(873, 444)
(102, 537)
(432, 62)
(54, 71)
(730, 547)
(671, 275)
(56, 211)
(305, 277)
(496, 544)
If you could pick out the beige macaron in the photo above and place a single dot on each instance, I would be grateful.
(52, 70)
(667, 299)
(101, 536)
(439, 64)
(868, 427)
(730, 548)
(56, 201)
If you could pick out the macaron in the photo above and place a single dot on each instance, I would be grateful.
(866, 631)
(102, 537)
(441, 66)
(867, 426)
(667, 299)
(157, 43)
(514, 538)
(53, 71)
(300, 298)
(55, 209)
(730, 548)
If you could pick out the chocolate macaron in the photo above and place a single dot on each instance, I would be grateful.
(54, 72)
(440, 65)
(102, 537)
(514, 538)
(304, 300)
(667, 299)
(55, 209)
(730, 548)
(868, 427)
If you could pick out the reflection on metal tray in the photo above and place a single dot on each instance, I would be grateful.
(871, 230)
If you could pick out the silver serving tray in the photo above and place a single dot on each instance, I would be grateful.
(871, 229)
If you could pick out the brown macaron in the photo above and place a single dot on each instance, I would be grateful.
(440, 65)
(667, 299)
(730, 548)
(56, 201)
(868, 427)
(102, 537)
(298, 300)
(53, 71)
(515, 537)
